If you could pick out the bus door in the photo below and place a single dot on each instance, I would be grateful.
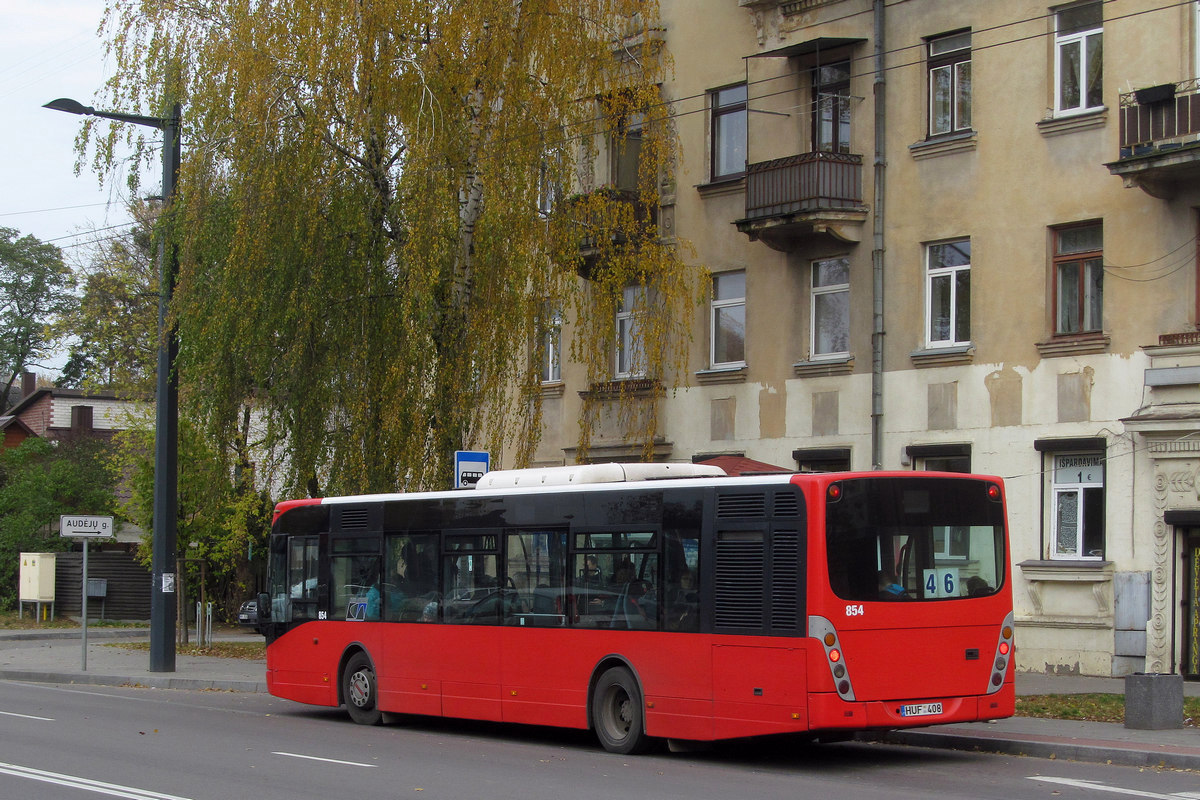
(293, 669)
(468, 642)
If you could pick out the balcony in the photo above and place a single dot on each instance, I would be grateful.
(607, 221)
(1160, 138)
(792, 200)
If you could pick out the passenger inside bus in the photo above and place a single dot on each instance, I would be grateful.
(889, 589)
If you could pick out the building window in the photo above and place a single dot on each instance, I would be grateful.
(831, 108)
(551, 366)
(630, 360)
(830, 307)
(1078, 57)
(729, 319)
(1079, 278)
(728, 132)
(822, 459)
(1077, 515)
(626, 150)
(948, 293)
(950, 84)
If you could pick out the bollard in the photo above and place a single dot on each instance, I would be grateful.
(1153, 701)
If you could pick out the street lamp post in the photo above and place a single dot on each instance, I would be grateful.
(166, 424)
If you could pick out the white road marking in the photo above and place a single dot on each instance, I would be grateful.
(99, 787)
(1100, 787)
(26, 716)
(326, 760)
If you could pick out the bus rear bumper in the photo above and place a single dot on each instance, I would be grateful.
(827, 711)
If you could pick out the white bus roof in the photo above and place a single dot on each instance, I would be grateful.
(577, 474)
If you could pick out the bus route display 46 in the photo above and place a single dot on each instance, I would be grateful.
(648, 602)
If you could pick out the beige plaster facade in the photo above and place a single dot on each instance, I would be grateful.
(1012, 390)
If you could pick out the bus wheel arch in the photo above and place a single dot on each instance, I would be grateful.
(358, 686)
(617, 709)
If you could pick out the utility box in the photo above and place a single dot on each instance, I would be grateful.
(1153, 701)
(37, 577)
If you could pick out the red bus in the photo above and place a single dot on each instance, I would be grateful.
(693, 608)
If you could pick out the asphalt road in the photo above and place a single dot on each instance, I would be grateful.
(62, 742)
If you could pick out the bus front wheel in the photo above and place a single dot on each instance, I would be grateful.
(361, 691)
(617, 712)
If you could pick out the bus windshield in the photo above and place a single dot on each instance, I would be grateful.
(919, 538)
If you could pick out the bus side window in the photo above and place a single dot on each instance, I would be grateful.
(355, 588)
(409, 579)
(534, 591)
(681, 594)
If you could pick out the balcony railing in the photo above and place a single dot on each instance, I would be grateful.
(803, 183)
(1159, 117)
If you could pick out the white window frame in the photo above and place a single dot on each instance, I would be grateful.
(1081, 39)
(726, 307)
(950, 274)
(950, 55)
(629, 356)
(818, 292)
(551, 366)
(1087, 471)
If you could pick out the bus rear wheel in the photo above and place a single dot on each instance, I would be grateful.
(361, 691)
(617, 712)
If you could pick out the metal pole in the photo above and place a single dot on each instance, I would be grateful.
(166, 439)
(84, 604)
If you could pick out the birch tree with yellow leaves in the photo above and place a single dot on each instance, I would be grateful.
(378, 201)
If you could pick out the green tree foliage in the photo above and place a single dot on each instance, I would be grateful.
(35, 290)
(114, 333)
(223, 520)
(39, 481)
(362, 255)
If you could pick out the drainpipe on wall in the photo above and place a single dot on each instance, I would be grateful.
(877, 329)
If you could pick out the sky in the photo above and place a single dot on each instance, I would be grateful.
(49, 49)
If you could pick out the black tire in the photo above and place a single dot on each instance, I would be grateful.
(617, 713)
(361, 691)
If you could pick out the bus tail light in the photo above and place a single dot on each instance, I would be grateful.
(1004, 652)
(823, 631)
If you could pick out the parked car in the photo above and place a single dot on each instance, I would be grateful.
(248, 615)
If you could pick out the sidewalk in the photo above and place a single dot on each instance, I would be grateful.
(56, 656)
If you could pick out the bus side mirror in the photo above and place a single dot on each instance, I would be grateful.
(264, 608)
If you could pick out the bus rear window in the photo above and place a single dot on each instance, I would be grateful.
(917, 538)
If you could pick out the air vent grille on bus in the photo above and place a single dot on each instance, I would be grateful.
(354, 519)
(741, 505)
(787, 503)
(739, 581)
(785, 581)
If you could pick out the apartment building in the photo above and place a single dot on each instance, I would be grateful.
(956, 236)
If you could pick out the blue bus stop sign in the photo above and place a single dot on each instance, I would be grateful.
(469, 467)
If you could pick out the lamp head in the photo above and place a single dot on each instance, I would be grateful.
(70, 106)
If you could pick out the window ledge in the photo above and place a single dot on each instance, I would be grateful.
(1085, 344)
(623, 387)
(722, 186)
(1072, 123)
(553, 389)
(944, 145)
(716, 375)
(943, 356)
(1067, 570)
(1096, 572)
(824, 367)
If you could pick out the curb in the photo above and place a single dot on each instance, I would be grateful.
(74, 633)
(1065, 749)
(151, 682)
